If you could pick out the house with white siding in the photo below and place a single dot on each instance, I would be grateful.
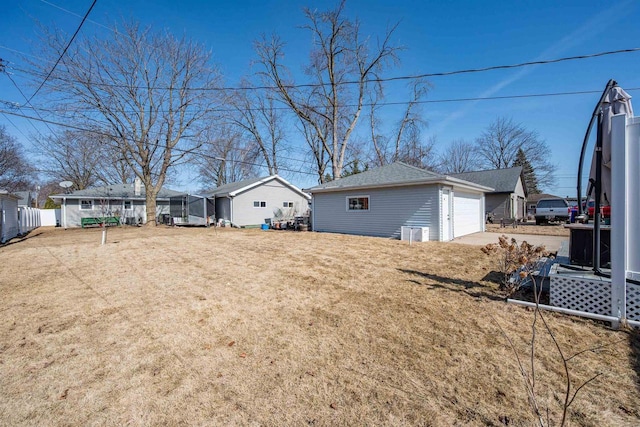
(508, 200)
(252, 202)
(379, 202)
(124, 201)
(9, 224)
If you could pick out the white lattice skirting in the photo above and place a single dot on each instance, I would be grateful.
(591, 295)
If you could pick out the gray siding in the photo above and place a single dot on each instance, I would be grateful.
(274, 193)
(389, 210)
(72, 215)
(498, 205)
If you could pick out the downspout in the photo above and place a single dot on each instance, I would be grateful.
(313, 212)
(64, 212)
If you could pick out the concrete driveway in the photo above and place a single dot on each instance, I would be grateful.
(551, 243)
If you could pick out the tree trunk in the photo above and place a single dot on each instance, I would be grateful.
(151, 207)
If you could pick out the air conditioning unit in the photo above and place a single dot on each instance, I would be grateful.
(414, 234)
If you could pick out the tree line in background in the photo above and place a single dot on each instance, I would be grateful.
(141, 103)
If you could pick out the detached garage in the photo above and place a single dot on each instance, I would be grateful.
(381, 201)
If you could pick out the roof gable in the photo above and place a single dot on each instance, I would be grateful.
(234, 188)
(502, 180)
(535, 197)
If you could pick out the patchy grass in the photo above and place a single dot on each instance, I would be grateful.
(175, 326)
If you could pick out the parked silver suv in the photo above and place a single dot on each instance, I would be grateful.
(552, 210)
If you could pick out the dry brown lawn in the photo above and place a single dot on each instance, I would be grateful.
(531, 228)
(179, 326)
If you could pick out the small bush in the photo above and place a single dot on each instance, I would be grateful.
(514, 261)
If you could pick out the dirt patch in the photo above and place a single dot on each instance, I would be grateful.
(173, 326)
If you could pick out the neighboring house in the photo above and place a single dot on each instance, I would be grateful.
(532, 202)
(9, 224)
(380, 201)
(253, 201)
(26, 198)
(127, 201)
(508, 200)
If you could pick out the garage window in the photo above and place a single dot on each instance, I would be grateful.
(358, 203)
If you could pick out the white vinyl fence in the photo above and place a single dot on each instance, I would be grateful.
(28, 219)
(49, 217)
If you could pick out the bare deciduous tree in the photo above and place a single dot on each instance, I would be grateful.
(149, 92)
(15, 172)
(406, 144)
(498, 148)
(257, 116)
(342, 64)
(82, 157)
(313, 136)
(226, 157)
(460, 156)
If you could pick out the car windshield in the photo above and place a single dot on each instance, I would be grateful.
(557, 203)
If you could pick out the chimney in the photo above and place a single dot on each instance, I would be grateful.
(137, 187)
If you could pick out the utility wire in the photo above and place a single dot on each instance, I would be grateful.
(63, 52)
(375, 80)
(29, 103)
(392, 103)
(96, 132)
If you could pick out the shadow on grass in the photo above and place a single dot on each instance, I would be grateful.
(473, 289)
(20, 239)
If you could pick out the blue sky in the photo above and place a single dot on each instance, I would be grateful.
(437, 36)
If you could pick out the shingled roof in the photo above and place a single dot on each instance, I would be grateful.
(502, 180)
(115, 191)
(234, 188)
(393, 174)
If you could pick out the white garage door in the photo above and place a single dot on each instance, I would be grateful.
(466, 213)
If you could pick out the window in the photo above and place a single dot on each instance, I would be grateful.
(552, 203)
(259, 204)
(86, 205)
(287, 204)
(127, 205)
(359, 203)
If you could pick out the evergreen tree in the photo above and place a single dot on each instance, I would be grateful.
(530, 180)
(354, 168)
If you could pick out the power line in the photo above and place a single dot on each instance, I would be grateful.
(375, 80)
(76, 14)
(505, 67)
(96, 132)
(28, 103)
(433, 101)
(64, 51)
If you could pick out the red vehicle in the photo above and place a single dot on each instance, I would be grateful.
(605, 211)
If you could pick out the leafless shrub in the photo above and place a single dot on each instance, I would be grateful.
(517, 263)
(512, 258)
